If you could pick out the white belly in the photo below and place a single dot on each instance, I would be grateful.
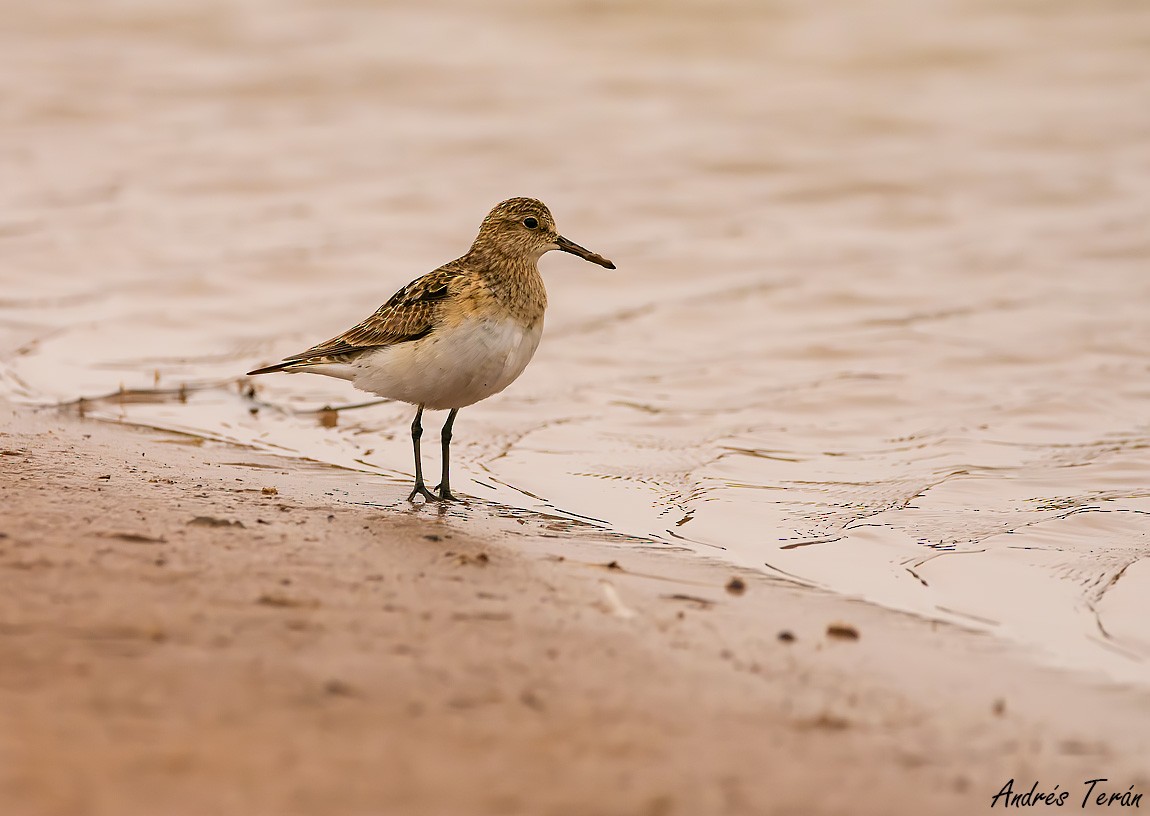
(451, 368)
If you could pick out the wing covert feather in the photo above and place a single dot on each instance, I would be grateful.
(410, 314)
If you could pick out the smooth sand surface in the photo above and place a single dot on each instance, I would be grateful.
(177, 638)
(880, 312)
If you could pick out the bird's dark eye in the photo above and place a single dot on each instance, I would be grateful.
(531, 222)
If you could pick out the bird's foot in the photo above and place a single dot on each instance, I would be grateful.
(445, 493)
(420, 489)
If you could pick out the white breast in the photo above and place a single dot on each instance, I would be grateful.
(451, 368)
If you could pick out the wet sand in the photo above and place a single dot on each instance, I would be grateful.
(189, 627)
(881, 294)
(878, 327)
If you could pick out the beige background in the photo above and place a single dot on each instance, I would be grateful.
(883, 279)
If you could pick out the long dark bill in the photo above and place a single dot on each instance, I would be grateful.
(585, 254)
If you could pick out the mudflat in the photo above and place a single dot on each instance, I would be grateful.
(189, 627)
(881, 287)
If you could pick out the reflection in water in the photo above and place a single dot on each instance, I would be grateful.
(879, 319)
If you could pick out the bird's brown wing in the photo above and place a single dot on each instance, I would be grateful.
(410, 314)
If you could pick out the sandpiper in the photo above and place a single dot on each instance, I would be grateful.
(458, 334)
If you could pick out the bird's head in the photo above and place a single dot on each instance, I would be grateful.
(524, 228)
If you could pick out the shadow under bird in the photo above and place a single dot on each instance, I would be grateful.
(457, 335)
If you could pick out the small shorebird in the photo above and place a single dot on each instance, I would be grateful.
(458, 334)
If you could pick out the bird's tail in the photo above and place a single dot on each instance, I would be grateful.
(273, 368)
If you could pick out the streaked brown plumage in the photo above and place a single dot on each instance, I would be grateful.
(411, 313)
(458, 334)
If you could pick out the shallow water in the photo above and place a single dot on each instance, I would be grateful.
(880, 321)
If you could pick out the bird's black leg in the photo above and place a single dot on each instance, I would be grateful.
(420, 488)
(444, 487)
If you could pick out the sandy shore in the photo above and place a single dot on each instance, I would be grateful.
(194, 628)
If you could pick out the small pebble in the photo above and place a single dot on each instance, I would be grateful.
(842, 631)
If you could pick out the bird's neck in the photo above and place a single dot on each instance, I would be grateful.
(514, 281)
